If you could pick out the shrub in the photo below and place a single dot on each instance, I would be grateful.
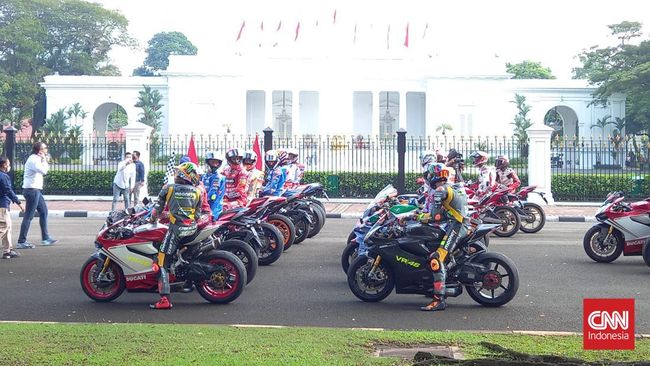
(92, 183)
(594, 187)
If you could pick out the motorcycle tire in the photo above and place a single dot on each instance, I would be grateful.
(603, 255)
(226, 284)
(273, 244)
(302, 228)
(358, 272)
(88, 276)
(286, 227)
(245, 253)
(537, 212)
(319, 221)
(493, 280)
(351, 237)
(320, 204)
(348, 256)
(645, 252)
(513, 223)
(241, 235)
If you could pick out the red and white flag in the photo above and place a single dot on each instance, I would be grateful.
(258, 152)
(241, 30)
(297, 32)
(406, 38)
(191, 151)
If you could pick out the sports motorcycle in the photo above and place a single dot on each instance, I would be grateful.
(531, 215)
(128, 248)
(622, 228)
(397, 259)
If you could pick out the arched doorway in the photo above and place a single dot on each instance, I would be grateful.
(564, 121)
(107, 144)
(107, 117)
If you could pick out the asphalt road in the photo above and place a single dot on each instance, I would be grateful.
(306, 287)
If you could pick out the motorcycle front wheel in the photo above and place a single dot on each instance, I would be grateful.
(645, 252)
(226, 283)
(245, 253)
(535, 220)
(286, 227)
(107, 289)
(349, 254)
(367, 286)
(319, 221)
(499, 284)
(510, 221)
(273, 244)
(600, 251)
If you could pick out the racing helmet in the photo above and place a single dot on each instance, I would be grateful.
(502, 162)
(249, 158)
(215, 158)
(233, 157)
(188, 172)
(479, 158)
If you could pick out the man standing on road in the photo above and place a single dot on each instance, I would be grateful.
(139, 177)
(123, 180)
(36, 167)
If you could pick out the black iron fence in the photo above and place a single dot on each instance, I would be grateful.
(587, 169)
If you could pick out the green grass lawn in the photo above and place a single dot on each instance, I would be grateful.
(147, 344)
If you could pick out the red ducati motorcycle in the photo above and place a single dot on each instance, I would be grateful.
(622, 228)
(127, 248)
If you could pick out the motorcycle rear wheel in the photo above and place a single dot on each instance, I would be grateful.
(273, 244)
(494, 280)
(245, 253)
(88, 276)
(367, 289)
(538, 218)
(599, 252)
(509, 216)
(286, 227)
(225, 284)
(302, 228)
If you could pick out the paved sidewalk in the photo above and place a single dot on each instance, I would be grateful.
(341, 209)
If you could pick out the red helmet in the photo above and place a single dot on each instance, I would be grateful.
(233, 157)
(502, 162)
(479, 158)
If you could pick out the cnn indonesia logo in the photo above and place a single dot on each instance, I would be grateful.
(608, 324)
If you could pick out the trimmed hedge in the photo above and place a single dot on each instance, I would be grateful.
(594, 187)
(91, 183)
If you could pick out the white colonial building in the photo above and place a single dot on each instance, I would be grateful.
(334, 96)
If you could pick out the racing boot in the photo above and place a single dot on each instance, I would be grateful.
(438, 303)
(162, 304)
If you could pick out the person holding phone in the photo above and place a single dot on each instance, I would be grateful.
(36, 167)
(123, 181)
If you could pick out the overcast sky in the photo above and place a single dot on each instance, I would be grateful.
(552, 31)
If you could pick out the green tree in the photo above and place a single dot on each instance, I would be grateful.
(443, 127)
(521, 123)
(41, 37)
(624, 68)
(529, 70)
(117, 118)
(601, 123)
(149, 100)
(161, 46)
(56, 125)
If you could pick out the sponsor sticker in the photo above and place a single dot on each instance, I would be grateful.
(608, 324)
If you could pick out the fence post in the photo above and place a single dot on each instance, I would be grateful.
(401, 154)
(136, 136)
(268, 139)
(10, 151)
(539, 162)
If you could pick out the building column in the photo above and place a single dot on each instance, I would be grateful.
(268, 108)
(402, 109)
(295, 112)
(375, 113)
(539, 162)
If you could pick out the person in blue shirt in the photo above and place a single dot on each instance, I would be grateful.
(214, 182)
(276, 175)
(7, 196)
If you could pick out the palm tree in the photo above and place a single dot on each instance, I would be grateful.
(602, 123)
(444, 127)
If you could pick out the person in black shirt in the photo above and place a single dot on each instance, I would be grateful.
(139, 177)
